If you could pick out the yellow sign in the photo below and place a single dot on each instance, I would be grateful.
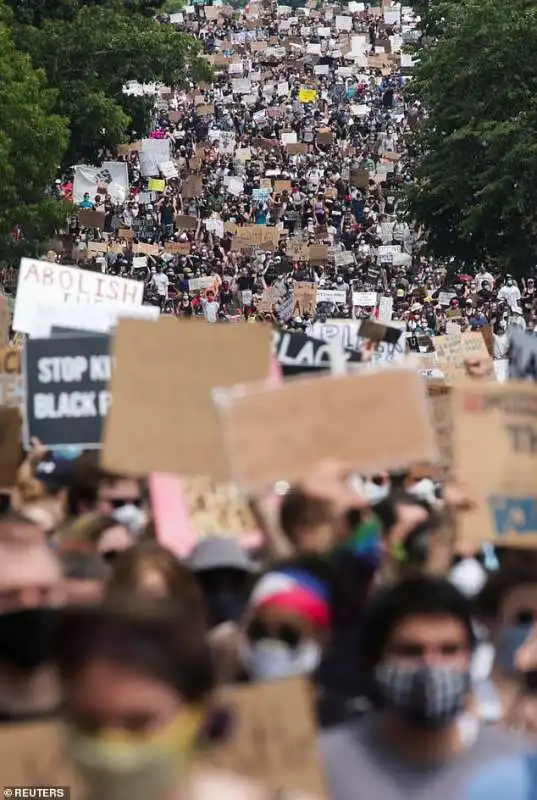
(156, 185)
(307, 95)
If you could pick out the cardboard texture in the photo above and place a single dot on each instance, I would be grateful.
(273, 739)
(374, 421)
(304, 298)
(88, 218)
(442, 418)
(495, 453)
(10, 360)
(452, 350)
(169, 365)
(186, 223)
(11, 454)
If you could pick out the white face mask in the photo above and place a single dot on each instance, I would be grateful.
(270, 659)
(131, 516)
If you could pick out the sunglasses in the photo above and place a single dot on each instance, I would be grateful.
(286, 633)
(119, 502)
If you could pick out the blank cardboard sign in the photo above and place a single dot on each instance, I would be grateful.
(495, 453)
(162, 417)
(273, 738)
(374, 421)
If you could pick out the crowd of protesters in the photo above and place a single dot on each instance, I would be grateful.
(420, 653)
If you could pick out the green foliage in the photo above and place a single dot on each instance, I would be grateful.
(32, 142)
(477, 151)
(90, 51)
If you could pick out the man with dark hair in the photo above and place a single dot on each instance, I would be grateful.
(416, 647)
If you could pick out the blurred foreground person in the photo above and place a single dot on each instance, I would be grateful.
(30, 592)
(149, 568)
(416, 647)
(138, 683)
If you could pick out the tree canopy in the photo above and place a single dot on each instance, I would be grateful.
(477, 152)
(89, 49)
(32, 142)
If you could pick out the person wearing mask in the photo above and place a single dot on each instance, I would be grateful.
(138, 681)
(483, 277)
(160, 282)
(507, 606)
(511, 294)
(416, 647)
(210, 307)
(31, 592)
(287, 624)
(91, 488)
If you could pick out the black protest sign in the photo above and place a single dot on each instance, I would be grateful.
(67, 389)
(522, 354)
(375, 332)
(299, 354)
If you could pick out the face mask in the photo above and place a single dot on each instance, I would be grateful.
(271, 659)
(426, 696)
(512, 637)
(122, 767)
(131, 516)
(225, 606)
(25, 637)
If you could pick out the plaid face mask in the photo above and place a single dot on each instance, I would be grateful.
(427, 696)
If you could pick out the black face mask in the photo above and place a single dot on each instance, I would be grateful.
(26, 637)
(225, 605)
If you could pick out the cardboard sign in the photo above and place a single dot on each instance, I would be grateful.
(183, 248)
(273, 739)
(299, 148)
(282, 186)
(158, 369)
(277, 434)
(452, 350)
(146, 249)
(304, 295)
(125, 233)
(495, 453)
(318, 253)
(522, 355)
(442, 416)
(186, 223)
(10, 361)
(11, 454)
(41, 282)
(88, 218)
(218, 509)
(331, 296)
(67, 394)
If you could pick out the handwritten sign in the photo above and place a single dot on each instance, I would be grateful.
(495, 453)
(42, 282)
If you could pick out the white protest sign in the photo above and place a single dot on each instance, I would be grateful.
(216, 226)
(41, 282)
(113, 174)
(197, 284)
(336, 331)
(364, 298)
(344, 23)
(152, 153)
(388, 250)
(97, 318)
(331, 296)
(385, 309)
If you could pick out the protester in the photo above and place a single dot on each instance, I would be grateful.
(416, 648)
(31, 592)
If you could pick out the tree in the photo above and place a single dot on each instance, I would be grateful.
(32, 142)
(90, 51)
(476, 167)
